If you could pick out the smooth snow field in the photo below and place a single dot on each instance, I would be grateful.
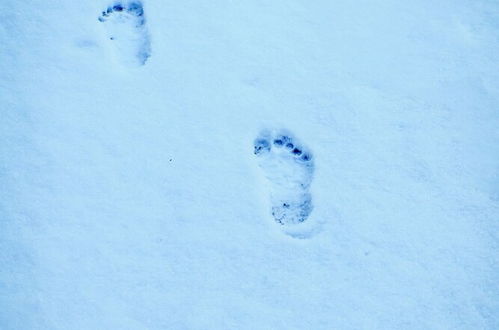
(256, 164)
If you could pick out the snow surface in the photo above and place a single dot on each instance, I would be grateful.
(131, 197)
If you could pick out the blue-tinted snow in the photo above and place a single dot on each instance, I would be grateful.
(131, 198)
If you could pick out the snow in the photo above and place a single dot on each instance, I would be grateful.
(131, 197)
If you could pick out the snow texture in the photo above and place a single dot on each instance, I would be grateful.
(131, 196)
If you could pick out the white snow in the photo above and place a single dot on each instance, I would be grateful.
(131, 197)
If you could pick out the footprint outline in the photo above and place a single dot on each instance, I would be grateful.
(288, 166)
(115, 17)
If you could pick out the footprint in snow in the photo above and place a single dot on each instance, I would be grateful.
(289, 168)
(126, 29)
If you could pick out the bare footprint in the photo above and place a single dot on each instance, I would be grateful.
(126, 28)
(289, 168)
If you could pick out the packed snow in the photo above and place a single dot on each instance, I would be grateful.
(146, 181)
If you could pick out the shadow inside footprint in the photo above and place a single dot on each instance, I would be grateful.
(261, 145)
